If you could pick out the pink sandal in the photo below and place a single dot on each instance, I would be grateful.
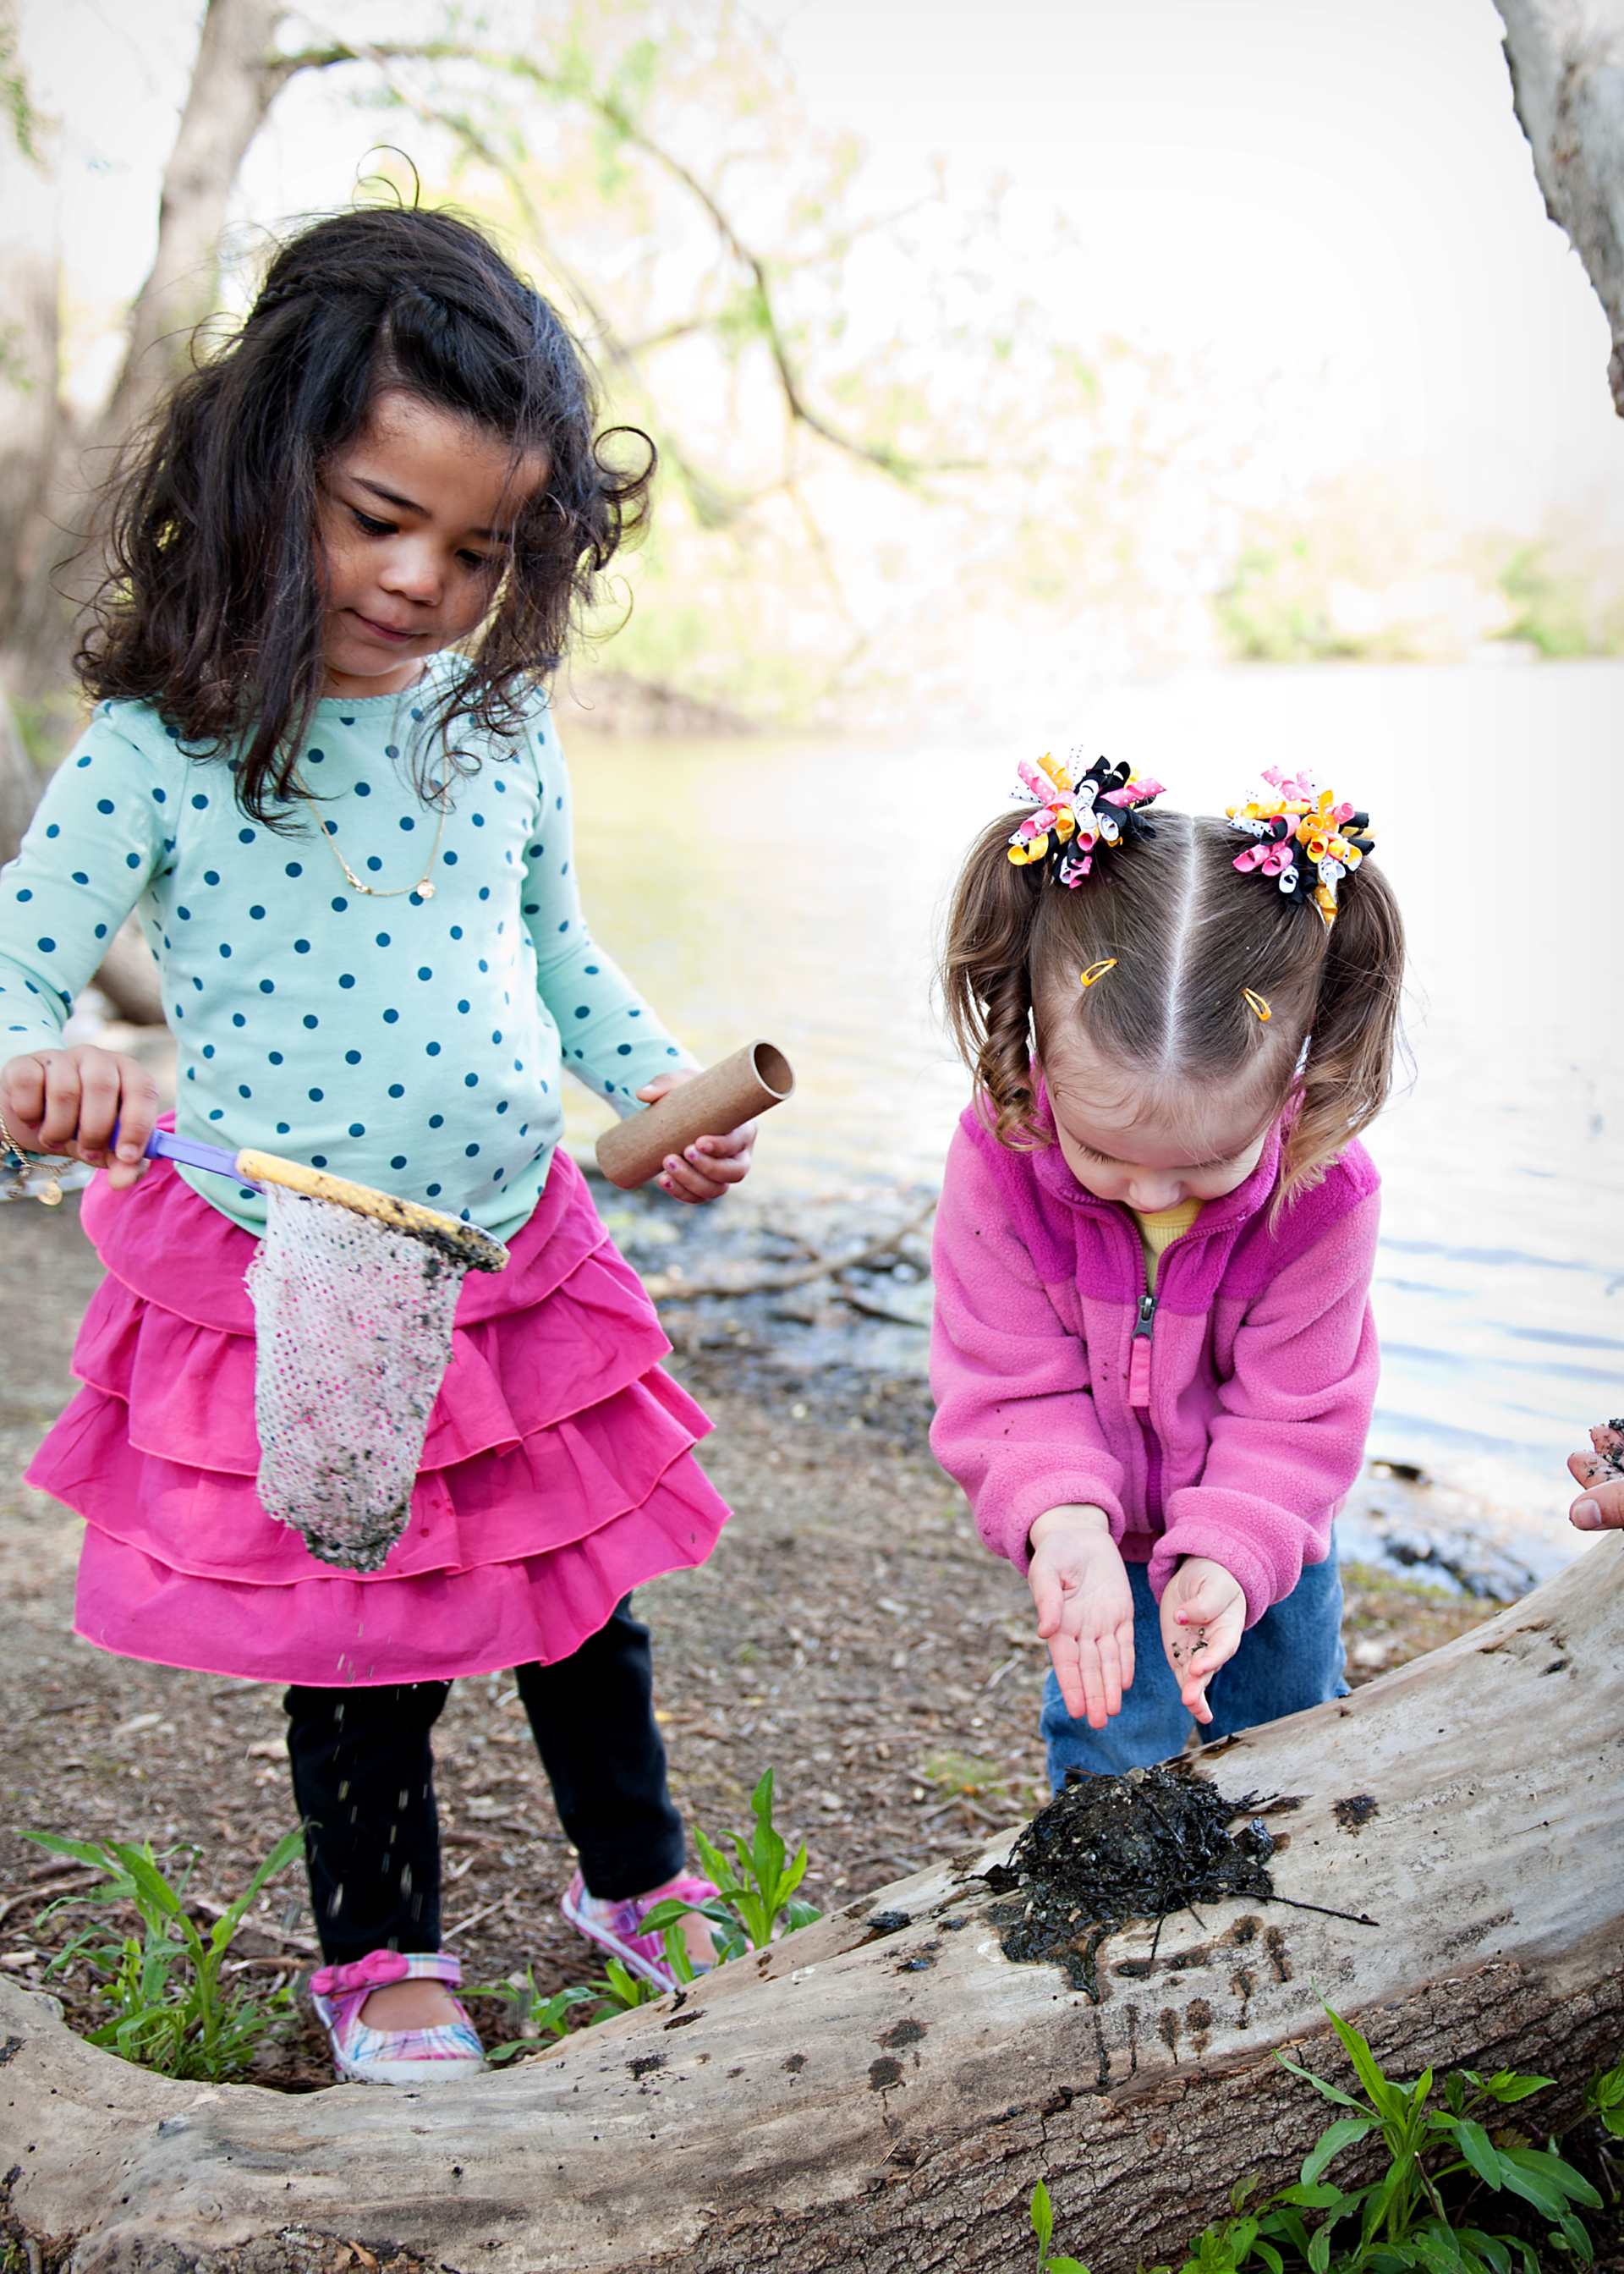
(363, 2055)
(615, 1926)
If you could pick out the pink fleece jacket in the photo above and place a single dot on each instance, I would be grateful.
(1226, 1417)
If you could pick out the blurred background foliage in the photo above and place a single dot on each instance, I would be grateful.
(888, 471)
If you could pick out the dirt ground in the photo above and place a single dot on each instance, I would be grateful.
(849, 1633)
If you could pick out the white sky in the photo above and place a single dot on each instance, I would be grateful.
(1335, 192)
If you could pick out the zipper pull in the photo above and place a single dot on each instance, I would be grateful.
(1138, 1353)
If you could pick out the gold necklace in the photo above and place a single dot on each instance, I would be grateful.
(423, 888)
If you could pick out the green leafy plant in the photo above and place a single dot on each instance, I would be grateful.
(617, 1990)
(1404, 2224)
(1044, 2226)
(1604, 2097)
(171, 2008)
(750, 1899)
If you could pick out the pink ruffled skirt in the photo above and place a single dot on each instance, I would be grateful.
(557, 1472)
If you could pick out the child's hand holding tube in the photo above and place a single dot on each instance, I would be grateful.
(705, 1169)
(70, 1102)
(1084, 1607)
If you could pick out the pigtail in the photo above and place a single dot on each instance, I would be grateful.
(987, 982)
(1354, 1034)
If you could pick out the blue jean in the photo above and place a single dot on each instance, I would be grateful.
(1293, 1657)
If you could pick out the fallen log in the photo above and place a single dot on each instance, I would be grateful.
(884, 2095)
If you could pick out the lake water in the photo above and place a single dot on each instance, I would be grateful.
(794, 889)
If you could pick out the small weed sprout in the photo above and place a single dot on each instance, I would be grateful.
(1043, 2227)
(750, 1900)
(617, 1990)
(171, 2011)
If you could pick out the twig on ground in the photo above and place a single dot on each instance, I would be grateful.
(502, 1904)
(669, 1286)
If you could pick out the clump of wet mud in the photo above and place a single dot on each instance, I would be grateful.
(1111, 1848)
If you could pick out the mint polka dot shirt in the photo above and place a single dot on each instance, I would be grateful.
(413, 1044)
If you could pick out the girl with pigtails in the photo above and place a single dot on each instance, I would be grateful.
(1154, 1356)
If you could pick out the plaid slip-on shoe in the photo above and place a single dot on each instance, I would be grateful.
(363, 2055)
(616, 1926)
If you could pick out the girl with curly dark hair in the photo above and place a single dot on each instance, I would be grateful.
(323, 769)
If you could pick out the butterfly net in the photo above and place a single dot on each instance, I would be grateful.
(354, 1332)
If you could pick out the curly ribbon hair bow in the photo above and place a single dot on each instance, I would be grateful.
(1077, 813)
(1305, 840)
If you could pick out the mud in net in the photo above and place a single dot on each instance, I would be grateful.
(354, 1335)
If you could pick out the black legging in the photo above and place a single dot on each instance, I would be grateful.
(363, 1782)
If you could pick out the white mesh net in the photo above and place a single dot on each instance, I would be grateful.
(354, 1329)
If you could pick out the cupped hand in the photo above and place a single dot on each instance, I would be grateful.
(710, 1164)
(1084, 1607)
(1600, 1506)
(70, 1102)
(1203, 1616)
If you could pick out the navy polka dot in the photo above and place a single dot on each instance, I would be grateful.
(294, 869)
(373, 862)
(624, 1050)
(318, 1160)
(449, 859)
(284, 1129)
(209, 1049)
(243, 1089)
(315, 1097)
(470, 1081)
(46, 946)
(257, 913)
(310, 1019)
(301, 947)
(389, 1017)
(237, 1019)
(399, 1162)
(437, 1121)
(433, 1191)
(339, 904)
(225, 950)
(211, 876)
(267, 987)
(364, 789)
(352, 1057)
(583, 1009)
(245, 836)
(346, 979)
(383, 939)
(276, 1058)
(407, 821)
(433, 1050)
(471, 1150)
(397, 1089)
(357, 1129)
(423, 971)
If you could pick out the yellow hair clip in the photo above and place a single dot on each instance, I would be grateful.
(1257, 1004)
(1097, 970)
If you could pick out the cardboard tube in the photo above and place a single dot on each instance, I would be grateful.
(734, 1090)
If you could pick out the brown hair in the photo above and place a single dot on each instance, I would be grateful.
(211, 609)
(1188, 932)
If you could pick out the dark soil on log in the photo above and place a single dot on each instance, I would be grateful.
(850, 1632)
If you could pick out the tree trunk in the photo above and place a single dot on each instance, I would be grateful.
(887, 2101)
(1567, 61)
(31, 416)
(19, 785)
(57, 563)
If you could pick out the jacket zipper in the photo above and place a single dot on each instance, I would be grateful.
(1139, 1397)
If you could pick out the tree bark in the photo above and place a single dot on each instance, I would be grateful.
(1567, 62)
(888, 2100)
(31, 415)
(57, 564)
